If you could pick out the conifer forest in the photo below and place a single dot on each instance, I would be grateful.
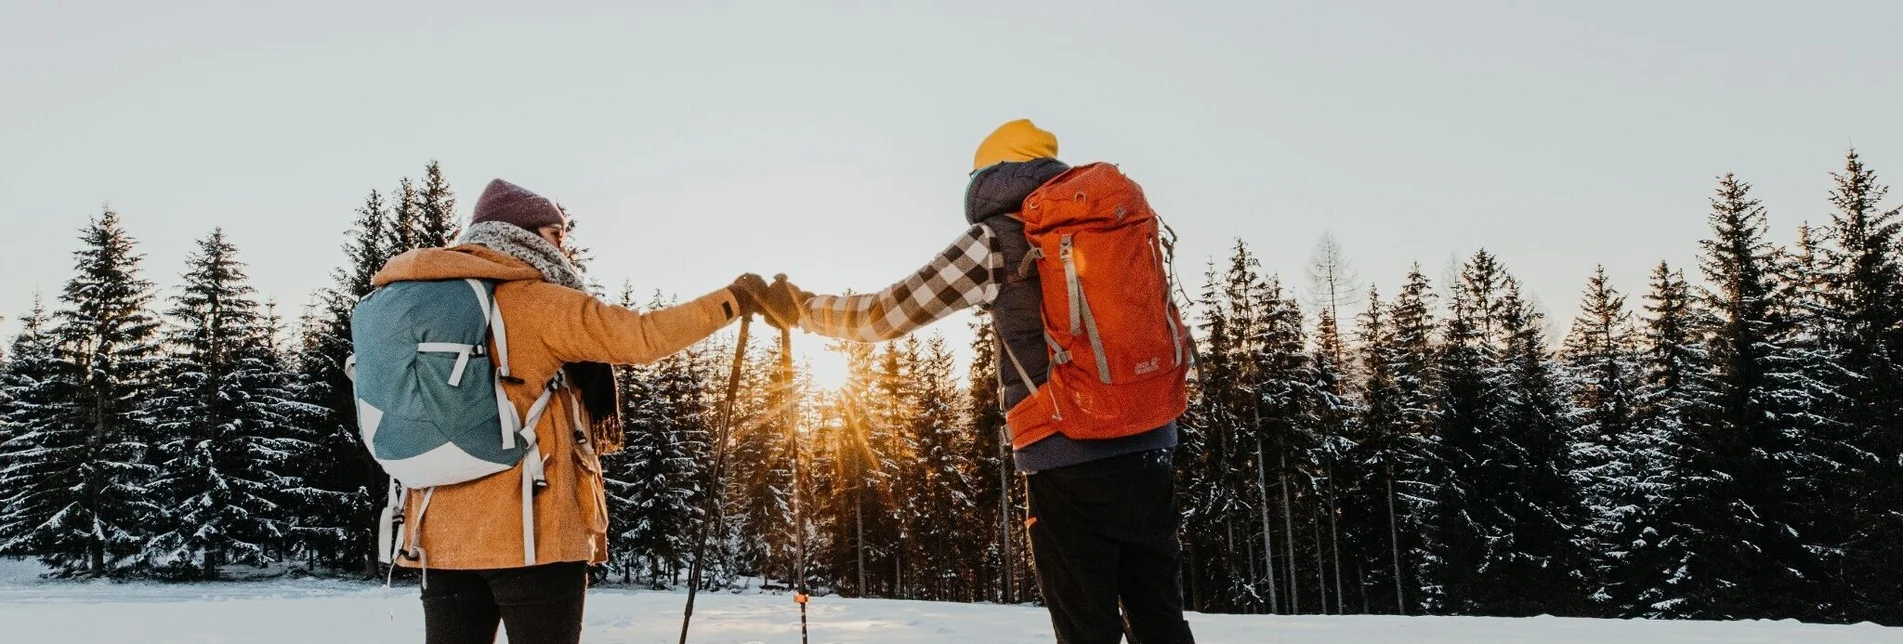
(1724, 441)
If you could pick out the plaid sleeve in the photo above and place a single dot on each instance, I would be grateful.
(966, 274)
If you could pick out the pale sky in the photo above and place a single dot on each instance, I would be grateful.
(694, 141)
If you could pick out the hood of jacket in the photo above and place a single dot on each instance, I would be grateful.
(1000, 189)
(457, 262)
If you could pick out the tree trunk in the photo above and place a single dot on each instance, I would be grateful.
(1248, 559)
(1394, 541)
(377, 481)
(1361, 583)
(1288, 539)
(97, 541)
(1268, 525)
(1009, 571)
(1194, 572)
(859, 526)
(1229, 540)
(1334, 540)
(1321, 569)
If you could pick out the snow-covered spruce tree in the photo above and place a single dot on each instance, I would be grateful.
(622, 482)
(1413, 363)
(1861, 289)
(41, 424)
(1600, 362)
(7, 430)
(1334, 411)
(38, 313)
(224, 426)
(1469, 409)
(906, 453)
(893, 399)
(848, 472)
(1672, 401)
(1506, 511)
(406, 218)
(373, 241)
(1370, 515)
(1288, 406)
(653, 483)
(988, 450)
(1228, 479)
(860, 472)
(1214, 479)
(1812, 382)
(1535, 560)
(88, 494)
(623, 472)
(759, 470)
(945, 552)
(435, 210)
(1743, 551)
(1205, 442)
(718, 522)
(1334, 288)
(336, 525)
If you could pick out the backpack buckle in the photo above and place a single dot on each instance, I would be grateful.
(1030, 258)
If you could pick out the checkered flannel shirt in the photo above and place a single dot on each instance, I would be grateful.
(967, 274)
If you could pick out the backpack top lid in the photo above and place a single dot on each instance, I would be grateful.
(1095, 196)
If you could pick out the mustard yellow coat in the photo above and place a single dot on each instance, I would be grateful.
(478, 525)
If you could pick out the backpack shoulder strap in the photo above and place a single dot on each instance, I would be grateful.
(498, 331)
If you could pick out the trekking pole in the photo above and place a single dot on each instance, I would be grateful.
(793, 444)
(720, 461)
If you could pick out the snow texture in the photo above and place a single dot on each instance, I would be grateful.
(313, 611)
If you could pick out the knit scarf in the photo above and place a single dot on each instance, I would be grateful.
(596, 381)
(520, 243)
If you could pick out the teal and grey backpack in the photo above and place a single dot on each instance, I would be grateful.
(430, 403)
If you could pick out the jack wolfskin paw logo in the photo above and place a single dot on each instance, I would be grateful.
(1148, 366)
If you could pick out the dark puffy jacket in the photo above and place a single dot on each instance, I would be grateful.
(994, 198)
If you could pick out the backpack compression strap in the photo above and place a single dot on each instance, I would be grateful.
(462, 351)
(1081, 321)
(533, 475)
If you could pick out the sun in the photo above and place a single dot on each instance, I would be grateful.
(827, 368)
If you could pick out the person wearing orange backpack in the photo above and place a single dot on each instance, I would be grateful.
(1073, 265)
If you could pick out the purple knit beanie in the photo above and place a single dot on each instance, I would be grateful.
(509, 203)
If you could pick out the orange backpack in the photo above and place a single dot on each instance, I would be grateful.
(1119, 351)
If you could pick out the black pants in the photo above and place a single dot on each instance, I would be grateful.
(538, 604)
(1104, 535)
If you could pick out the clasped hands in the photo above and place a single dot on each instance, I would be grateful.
(780, 303)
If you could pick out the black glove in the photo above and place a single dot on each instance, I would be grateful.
(779, 307)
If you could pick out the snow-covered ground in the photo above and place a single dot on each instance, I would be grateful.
(311, 611)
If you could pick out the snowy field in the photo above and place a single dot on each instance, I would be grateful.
(310, 611)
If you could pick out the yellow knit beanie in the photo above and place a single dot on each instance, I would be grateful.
(1018, 140)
